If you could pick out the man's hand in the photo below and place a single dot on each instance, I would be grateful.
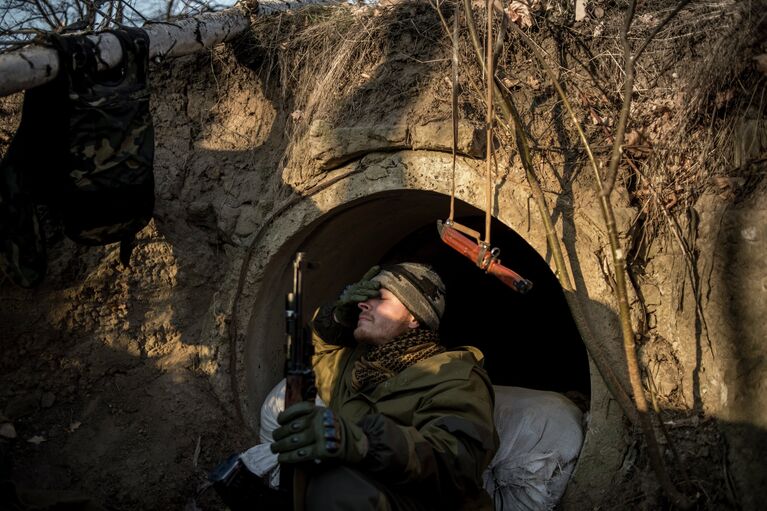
(310, 432)
(345, 311)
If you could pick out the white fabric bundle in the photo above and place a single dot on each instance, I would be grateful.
(260, 459)
(541, 436)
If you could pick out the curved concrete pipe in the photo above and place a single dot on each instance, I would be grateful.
(368, 216)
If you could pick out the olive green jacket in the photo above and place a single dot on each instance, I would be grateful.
(430, 428)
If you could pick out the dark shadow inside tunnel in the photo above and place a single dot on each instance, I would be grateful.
(528, 340)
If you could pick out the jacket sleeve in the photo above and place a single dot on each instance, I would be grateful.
(449, 445)
(332, 343)
(327, 331)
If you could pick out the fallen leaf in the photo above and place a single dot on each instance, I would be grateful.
(724, 97)
(37, 440)
(519, 12)
(646, 19)
(599, 12)
(599, 29)
(533, 82)
(580, 10)
(74, 426)
(632, 138)
(671, 200)
(761, 63)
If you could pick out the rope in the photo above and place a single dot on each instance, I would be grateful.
(454, 105)
(489, 121)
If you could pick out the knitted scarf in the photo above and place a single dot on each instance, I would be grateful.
(384, 361)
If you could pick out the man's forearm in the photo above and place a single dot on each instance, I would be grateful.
(328, 329)
(445, 461)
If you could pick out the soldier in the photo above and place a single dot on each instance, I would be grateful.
(409, 423)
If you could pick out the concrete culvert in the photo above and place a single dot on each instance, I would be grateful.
(369, 218)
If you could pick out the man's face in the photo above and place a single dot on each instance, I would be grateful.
(382, 319)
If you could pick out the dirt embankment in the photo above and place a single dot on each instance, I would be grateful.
(108, 384)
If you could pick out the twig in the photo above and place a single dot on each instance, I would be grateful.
(628, 90)
(674, 226)
(653, 396)
(614, 385)
(489, 78)
(197, 449)
(628, 87)
(48, 14)
(689, 256)
(619, 260)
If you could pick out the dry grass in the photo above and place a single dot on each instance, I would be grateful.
(716, 95)
(328, 61)
(695, 87)
(698, 109)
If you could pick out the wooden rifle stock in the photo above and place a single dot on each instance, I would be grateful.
(485, 259)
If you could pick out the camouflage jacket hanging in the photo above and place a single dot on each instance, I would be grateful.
(84, 149)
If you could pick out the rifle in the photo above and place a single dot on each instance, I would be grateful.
(299, 375)
(238, 487)
(485, 259)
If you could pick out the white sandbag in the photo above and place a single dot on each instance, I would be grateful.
(541, 434)
(259, 459)
(262, 461)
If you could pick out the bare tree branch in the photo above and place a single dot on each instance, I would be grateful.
(628, 88)
(35, 65)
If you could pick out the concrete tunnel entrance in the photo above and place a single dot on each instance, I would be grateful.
(528, 340)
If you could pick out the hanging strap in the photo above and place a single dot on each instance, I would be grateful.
(450, 231)
(454, 108)
(489, 74)
(489, 132)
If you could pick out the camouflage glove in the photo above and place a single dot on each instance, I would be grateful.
(310, 432)
(345, 310)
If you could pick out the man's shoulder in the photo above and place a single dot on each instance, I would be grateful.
(468, 354)
(463, 362)
(455, 363)
(454, 369)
